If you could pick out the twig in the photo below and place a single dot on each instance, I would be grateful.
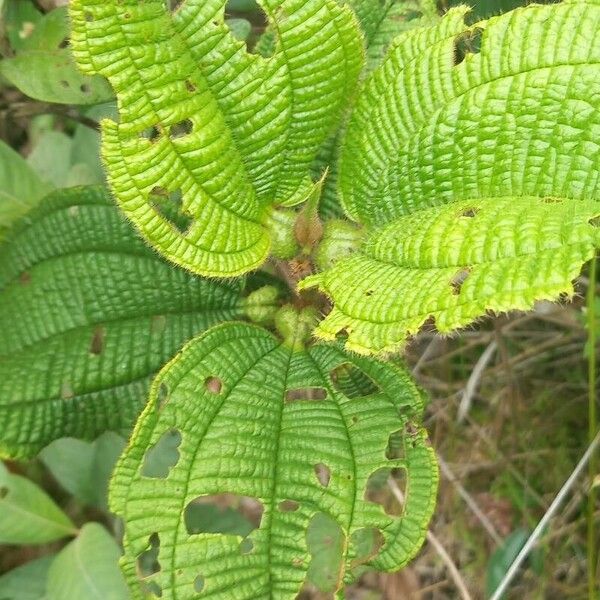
(474, 379)
(438, 547)
(487, 524)
(537, 532)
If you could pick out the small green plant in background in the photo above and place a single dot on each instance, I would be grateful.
(288, 201)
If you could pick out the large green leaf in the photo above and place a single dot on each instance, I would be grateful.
(27, 514)
(453, 264)
(27, 582)
(232, 132)
(88, 313)
(88, 568)
(20, 186)
(43, 67)
(507, 107)
(300, 431)
(84, 468)
(467, 149)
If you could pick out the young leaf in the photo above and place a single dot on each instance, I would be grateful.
(235, 133)
(27, 514)
(96, 313)
(288, 428)
(27, 582)
(20, 187)
(500, 118)
(88, 568)
(43, 67)
(455, 262)
(504, 108)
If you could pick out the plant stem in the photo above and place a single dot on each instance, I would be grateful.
(592, 428)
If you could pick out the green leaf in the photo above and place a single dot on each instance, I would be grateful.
(84, 468)
(43, 67)
(381, 22)
(505, 108)
(20, 21)
(287, 428)
(51, 158)
(453, 263)
(27, 514)
(232, 132)
(27, 582)
(501, 118)
(502, 559)
(88, 313)
(20, 187)
(88, 568)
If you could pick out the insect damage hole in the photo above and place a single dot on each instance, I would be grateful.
(226, 514)
(288, 506)
(367, 543)
(325, 542)
(395, 445)
(147, 561)
(469, 212)
(308, 393)
(169, 205)
(323, 474)
(151, 133)
(97, 342)
(213, 385)
(181, 129)
(458, 280)
(467, 43)
(198, 584)
(387, 487)
(595, 221)
(353, 382)
(162, 456)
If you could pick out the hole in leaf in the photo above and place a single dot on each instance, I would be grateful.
(152, 588)
(163, 456)
(246, 546)
(174, 5)
(595, 221)
(467, 43)
(127, 15)
(325, 541)
(181, 129)
(97, 343)
(64, 44)
(366, 542)
(309, 393)
(228, 514)
(387, 487)
(288, 506)
(369, 293)
(147, 561)
(323, 474)
(170, 206)
(457, 281)
(213, 385)
(158, 324)
(352, 381)
(66, 391)
(198, 584)
(162, 396)
(551, 200)
(190, 86)
(395, 445)
(151, 133)
(25, 278)
(469, 212)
